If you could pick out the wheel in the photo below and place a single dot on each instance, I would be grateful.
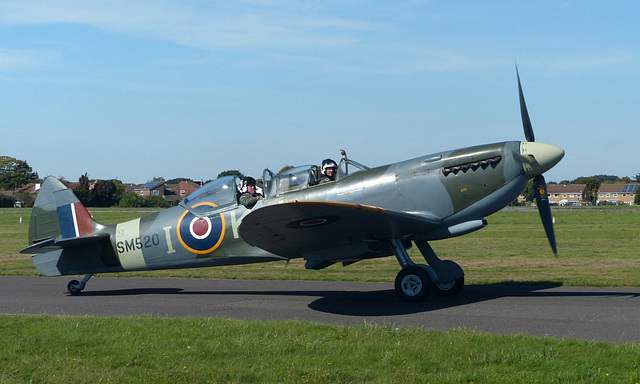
(71, 287)
(448, 288)
(413, 284)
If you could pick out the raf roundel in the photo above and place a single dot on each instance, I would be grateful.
(200, 228)
(313, 222)
(201, 235)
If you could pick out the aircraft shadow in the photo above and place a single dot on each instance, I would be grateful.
(383, 302)
(386, 303)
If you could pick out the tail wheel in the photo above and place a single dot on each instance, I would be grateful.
(72, 287)
(413, 284)
(448, 288)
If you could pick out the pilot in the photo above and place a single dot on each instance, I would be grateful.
(249, 196)
(328, 171)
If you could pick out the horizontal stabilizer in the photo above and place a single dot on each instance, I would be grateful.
(54, 245)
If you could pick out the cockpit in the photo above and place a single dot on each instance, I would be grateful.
(222, 194)
(304, 177)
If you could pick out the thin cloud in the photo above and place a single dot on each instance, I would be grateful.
(331, 36)
(218, 26)
(21, 58)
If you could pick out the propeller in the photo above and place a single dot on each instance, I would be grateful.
(539, 184)
(540, 187)
(526, 122)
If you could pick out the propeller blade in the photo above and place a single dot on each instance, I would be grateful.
(540, 187)
(526, 122)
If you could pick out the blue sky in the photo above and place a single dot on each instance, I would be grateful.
(138, 89)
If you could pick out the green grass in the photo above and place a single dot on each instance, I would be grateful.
(596, 248)
(51, 349)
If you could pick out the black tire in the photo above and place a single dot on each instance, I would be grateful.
(413, 284)
(71, 287)
(449, 288)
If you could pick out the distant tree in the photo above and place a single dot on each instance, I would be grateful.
(6, 201)
(177, 180)
(27, 199)
(82, 191)
(84, 181)
(131, 200)
(104, 193)
(636, 178)
(626, 179)
(120, 190)
(157, 179)
(593, 185)
(155, 201)
(15, 173)
(529, 193)
(602, 179)
(231, 172)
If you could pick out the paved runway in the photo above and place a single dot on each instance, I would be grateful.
(609, 314)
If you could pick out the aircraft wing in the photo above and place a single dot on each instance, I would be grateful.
(303, 228)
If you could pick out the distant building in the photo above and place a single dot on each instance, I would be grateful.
(568, 194)
(185, 188)
(31, 189)
(617, 193)
(172, 193)
(154, 188)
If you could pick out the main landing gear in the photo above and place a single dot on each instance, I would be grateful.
(415, 281)
(74, 287)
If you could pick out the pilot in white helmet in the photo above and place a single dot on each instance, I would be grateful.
(250, 196)
(328, 171)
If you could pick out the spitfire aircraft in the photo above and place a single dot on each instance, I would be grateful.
(365, 213)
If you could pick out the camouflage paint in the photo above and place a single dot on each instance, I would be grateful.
(471, 180)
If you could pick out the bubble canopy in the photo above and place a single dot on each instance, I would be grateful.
(221, 192)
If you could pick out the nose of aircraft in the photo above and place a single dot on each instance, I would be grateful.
(539, 157)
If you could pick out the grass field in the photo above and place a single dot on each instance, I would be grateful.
(47, 349)
(597, 248)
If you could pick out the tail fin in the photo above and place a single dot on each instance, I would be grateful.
(58, 214)
(63, 238)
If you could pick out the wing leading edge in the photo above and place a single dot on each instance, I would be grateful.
(327, 230)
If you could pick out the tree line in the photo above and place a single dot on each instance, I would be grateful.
(16, 173)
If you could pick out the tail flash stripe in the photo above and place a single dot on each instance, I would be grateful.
(84, 223)
(66, 220)
(74, 220)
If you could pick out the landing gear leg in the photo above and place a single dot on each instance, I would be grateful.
(413, 282)
(450, 276)
(75, 287)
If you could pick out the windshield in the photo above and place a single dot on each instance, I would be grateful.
(221, 192)
(291, 180)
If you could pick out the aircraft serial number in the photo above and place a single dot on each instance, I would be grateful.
(138, 243)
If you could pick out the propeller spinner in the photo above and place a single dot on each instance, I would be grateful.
(537, 159)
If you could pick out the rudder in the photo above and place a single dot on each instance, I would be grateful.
(58, 214)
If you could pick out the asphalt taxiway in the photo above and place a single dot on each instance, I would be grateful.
(603, 314)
